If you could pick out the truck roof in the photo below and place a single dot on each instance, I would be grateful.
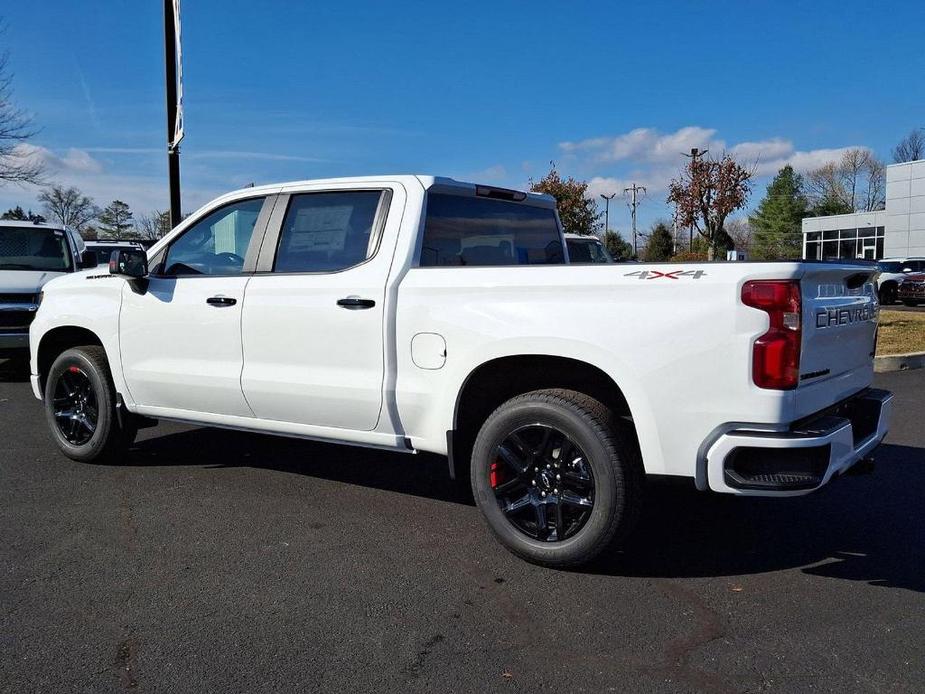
(428, 182)
(27, 223)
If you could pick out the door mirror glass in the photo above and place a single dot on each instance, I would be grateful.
(129, 262)
(88, 259)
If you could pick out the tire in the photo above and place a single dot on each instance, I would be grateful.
(609, 470)
(86, 370)
(888, 294)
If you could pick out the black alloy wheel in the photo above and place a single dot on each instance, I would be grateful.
(82, 408)
(542, 482)
(557, 477)
(76, 408)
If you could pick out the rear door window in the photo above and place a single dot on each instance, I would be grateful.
(461, 230)
(327, 232)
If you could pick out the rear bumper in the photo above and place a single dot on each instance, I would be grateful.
(810, 454)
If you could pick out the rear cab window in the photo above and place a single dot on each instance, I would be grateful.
(461, 230)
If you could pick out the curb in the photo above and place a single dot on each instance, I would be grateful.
(899, 362)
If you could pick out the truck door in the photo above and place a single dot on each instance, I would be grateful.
(180, 335)
(314, 311)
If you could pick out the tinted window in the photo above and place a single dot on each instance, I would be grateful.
(587, 251)
(34, 248)
(325, 232)
(891, 267)
(479, 231)
(216, 244)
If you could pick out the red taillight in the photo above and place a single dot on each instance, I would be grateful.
(776, 354)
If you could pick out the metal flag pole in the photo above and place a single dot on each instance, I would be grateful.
(173, 66)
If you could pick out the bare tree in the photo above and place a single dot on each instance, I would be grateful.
(16, 166)
(911, 147)
(740, 231)
(856, 182)
(69, 206)
(151, 227)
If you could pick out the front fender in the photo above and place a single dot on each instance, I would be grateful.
(89, 302)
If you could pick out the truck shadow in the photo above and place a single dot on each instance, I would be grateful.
(866, 528)
(14, 370)
(861, 528)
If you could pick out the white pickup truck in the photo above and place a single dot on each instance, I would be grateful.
(415, 313)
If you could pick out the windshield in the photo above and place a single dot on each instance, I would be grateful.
(587, 251)
(34, 248)
(891, 267)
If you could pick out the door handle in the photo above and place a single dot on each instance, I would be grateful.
(221, 301)
(354, 303)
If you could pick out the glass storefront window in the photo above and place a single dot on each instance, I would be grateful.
(845, 244)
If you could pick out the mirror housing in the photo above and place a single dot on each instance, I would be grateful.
(129, 262)
(88, 259)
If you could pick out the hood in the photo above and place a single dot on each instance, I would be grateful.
(25, 281)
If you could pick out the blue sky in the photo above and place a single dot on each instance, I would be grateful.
(479, 90)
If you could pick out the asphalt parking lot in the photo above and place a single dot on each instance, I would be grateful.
(217, 561)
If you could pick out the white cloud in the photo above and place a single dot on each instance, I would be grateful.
(492, 174)
(644, 145)
(72, 161)
(651, 158)
(143, 189)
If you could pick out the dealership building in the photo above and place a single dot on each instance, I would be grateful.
(896, 232)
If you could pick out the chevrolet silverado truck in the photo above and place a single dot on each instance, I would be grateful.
(416, 313)
(31, 254)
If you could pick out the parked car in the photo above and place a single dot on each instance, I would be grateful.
(30, 255)
(102, 250)
(892, 272)
(414, 313)
(586, 249)
(912, 290)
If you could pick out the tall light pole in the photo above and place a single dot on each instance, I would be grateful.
(607, 199)
(634, 190)
(173, 72)
(695, 153)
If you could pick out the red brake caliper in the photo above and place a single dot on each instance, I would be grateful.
(494, 475)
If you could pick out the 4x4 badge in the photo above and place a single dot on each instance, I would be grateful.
(673, 275)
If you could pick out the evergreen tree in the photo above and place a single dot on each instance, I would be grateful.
(17, 214)
(660, 246)
(116, 220)
(617, 246)
(777, 221)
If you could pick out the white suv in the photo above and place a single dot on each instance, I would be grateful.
(892, 272)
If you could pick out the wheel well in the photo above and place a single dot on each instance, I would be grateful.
(499, 380)
(56, 341)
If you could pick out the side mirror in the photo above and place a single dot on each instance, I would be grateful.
(129, 262)
(88, 259)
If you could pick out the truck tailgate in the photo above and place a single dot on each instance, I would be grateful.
(839, 321)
